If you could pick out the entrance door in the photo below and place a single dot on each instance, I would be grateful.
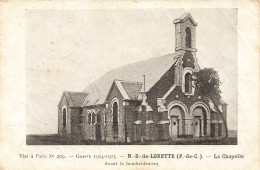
(174, 127)
(98, 128)
(197, 126)
(137, 132)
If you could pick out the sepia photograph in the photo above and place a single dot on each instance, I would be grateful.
(135, 84)
(131, 77)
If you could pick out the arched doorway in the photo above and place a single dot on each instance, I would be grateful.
(177, 124)
(200, 122)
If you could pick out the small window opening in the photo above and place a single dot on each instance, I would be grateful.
(64, 122)
(188, 83)
(188, 37)
(89, 118)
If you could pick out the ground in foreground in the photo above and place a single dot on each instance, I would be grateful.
(58, 140)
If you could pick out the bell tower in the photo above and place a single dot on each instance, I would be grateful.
(185, 47)
(185, 33)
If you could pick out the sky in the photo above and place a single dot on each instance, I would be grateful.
(66, 50)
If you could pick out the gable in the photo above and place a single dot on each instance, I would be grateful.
(166, 82)
(73, 99)
(114, 92)
(99, 90)
(128, 90)
(185, 17)
(132, 89)
(78, 98)
(63, 101)
(188, 60)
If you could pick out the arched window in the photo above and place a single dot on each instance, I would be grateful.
(64, 117)
(188, 83)
(93, 118)
(188, 37)
(115, 116)
(89, 118)
(98, 118)
(105, 118)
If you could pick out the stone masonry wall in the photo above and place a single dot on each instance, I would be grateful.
(89, 126)
(111, 136)
(75, 120)
(64, 130)
(132, 116)
(180, 34)
(157, 91)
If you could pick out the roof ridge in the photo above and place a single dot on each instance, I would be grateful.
(127, 81)
(98, 79)
(143, 60)
(75, 92)
(115, 68)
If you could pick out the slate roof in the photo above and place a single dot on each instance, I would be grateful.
(184, 17)
(153, 69)
(132, 89)
(75, 99)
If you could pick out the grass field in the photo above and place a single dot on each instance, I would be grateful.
(57, 140)
(50, 140)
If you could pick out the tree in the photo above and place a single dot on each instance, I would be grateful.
(207, 82)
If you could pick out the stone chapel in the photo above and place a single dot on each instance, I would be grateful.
(152, 100)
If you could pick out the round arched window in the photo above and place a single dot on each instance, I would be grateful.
(188, 83)
(188, 37)
(89, 118)
(93, 118)
(115, 117)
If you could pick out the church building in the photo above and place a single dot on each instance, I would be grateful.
(153, 99)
